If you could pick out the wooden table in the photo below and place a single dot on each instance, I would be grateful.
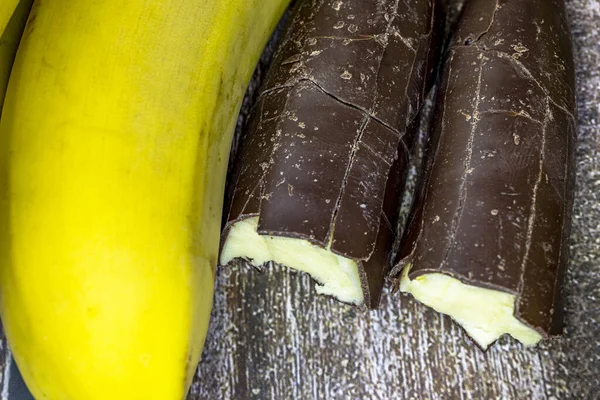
(272, 337)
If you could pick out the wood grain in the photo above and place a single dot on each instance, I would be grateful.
(273, 338)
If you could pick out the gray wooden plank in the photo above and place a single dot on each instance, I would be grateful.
(4, 366)
(272, 338)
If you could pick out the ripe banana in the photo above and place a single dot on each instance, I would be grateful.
(10, 36)
(114, 146)
(7, 8)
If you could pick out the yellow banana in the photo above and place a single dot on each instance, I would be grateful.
(10, 36)
(7, 8)
(114, 144)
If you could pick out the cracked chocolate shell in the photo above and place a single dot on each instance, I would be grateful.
(324, 159)
(487, 244)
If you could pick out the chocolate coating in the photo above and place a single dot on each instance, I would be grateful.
(331, 121)
(495, 208)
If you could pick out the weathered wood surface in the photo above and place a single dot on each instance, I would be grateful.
(272, 337)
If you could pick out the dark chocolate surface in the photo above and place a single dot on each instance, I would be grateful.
(273, 337)
(331, 120)
(496, 207)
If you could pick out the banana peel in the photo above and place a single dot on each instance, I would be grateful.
(7, 9)
(115, 137)
(10, 36)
